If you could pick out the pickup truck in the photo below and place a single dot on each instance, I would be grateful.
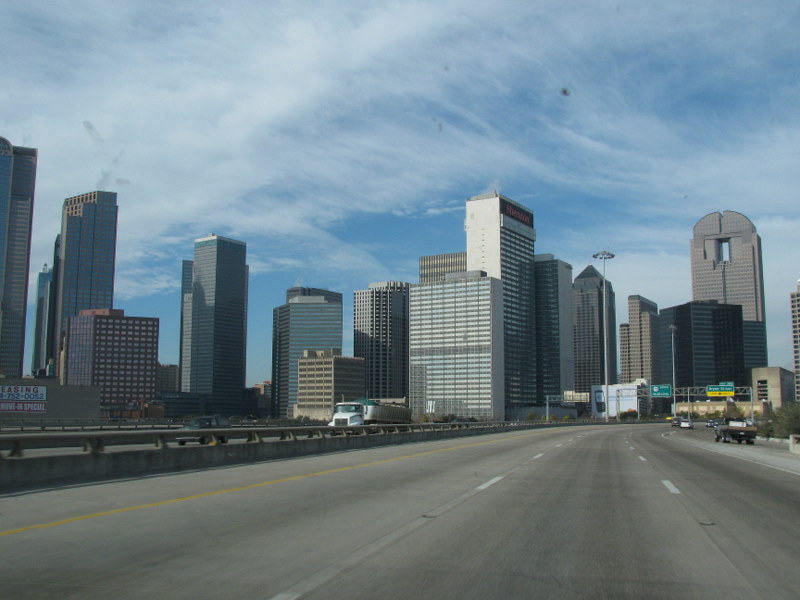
(736, 429)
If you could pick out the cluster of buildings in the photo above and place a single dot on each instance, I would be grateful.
(493, 332)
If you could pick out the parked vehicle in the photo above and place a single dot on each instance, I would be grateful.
(205, 422)
(736, 429)
(368, 412)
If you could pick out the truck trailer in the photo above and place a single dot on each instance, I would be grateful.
(369, 412)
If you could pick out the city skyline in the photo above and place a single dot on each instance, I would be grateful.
(345, 152)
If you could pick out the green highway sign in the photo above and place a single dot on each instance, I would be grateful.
(660, 391)
(720, 390)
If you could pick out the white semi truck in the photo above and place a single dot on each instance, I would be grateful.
(369, 412)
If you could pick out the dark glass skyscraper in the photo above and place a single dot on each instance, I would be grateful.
(17, 184)
(311, 319)
(380, 337)
(214, 323)
(87, 255)
(555, 364)
(709, 344)
(590, 353)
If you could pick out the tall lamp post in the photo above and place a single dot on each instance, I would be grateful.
(605, 255)
(673, 328)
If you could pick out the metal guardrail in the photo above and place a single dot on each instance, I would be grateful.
(94, 440)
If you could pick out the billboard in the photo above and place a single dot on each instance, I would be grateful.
(23, 398)
(516, 212)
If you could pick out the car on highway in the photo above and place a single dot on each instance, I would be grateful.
(676, 422)
(204, 422)
(711, 423)
(686, 424)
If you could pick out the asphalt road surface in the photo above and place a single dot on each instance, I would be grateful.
(628, 511)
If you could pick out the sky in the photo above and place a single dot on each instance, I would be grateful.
(341, 140)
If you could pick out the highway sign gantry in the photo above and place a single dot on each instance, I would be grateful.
(660, 391)
(720, 390)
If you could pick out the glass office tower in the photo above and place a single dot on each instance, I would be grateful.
(311, 319)
(17, 183)
(214, 323)
(87, 254)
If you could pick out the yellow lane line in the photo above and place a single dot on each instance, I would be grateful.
(252, 486)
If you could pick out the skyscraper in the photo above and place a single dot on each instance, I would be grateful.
(726, 267)
(500, 242)
(795, 302)
(708, 344)
(456, 347)
(87, 252)
(311, 319)
(43, 323)
(214, 323)
(17, 186)
(588, 323)
(555, 362)
(637, 349)
(380, 337)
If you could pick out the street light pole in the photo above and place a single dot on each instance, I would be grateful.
(605, 255)
(673, 328)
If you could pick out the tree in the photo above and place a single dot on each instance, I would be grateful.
(787, 420)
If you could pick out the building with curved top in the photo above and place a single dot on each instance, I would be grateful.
(727, 267)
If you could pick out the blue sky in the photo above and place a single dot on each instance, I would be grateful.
(341, 140)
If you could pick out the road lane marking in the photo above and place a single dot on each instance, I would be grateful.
(540, 455)
(483, 486)
(643, 459)
(345, 563)
(559, 445)
(670, 486)
(256, 485)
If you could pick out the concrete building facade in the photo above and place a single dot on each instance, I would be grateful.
(325, 377)
(774, 386)
(380, 337)
(500, 242)
(17, 187)
(117, 354)
(636, 340)
(456, 347)
(433, 268)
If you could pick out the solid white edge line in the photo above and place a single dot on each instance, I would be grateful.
(483, 486)
(670, 486)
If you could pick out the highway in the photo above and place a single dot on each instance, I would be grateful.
(624, 511)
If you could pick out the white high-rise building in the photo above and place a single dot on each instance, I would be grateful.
(500, 242)
(795, 299)
(456, 348)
